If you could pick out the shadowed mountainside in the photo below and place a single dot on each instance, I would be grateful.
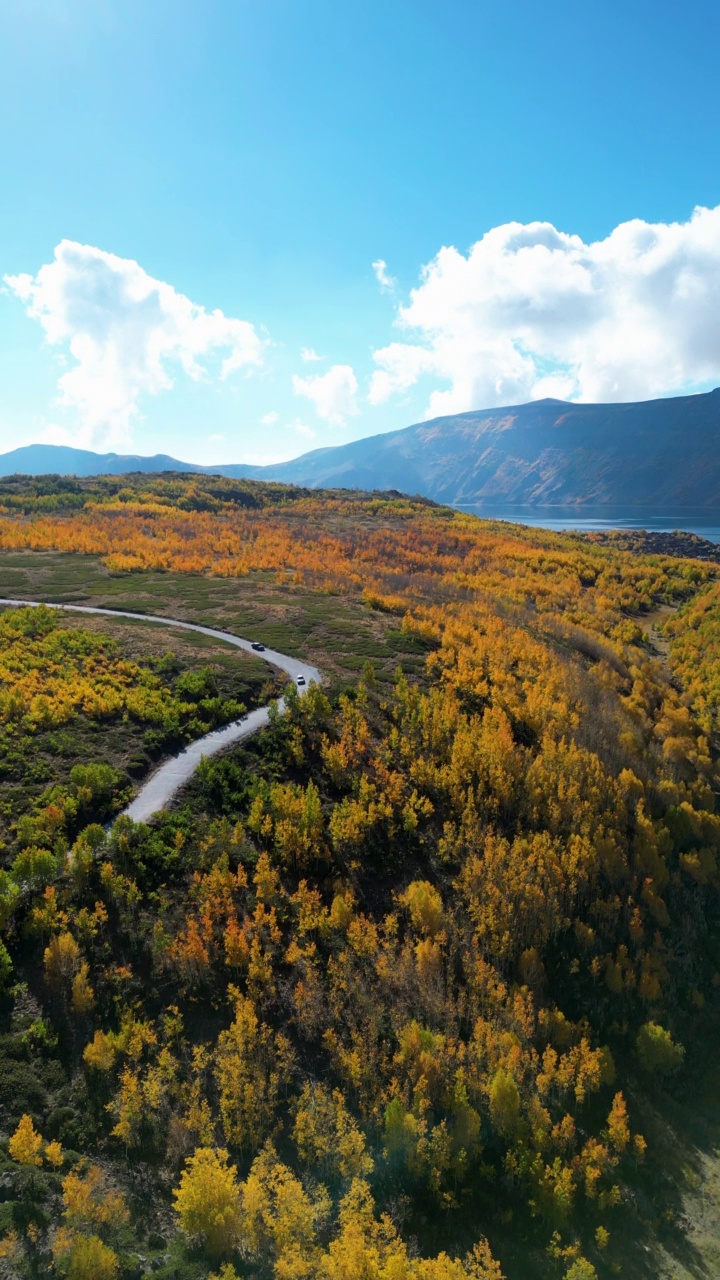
(547, 452)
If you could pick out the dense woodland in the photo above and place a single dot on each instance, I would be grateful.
(374, 1000)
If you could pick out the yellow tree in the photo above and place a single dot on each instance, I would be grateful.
(327, 1136)
(25, 1145)
(207, 1201)
(91, 1200)
(80, 1257)
(280, 1219)
(61, 959)
(250, 1067)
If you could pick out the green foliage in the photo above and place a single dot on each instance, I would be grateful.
(34, 868)
(196, 685)
(504, 1099)
(69, 695)
(6, 966)
(657, 1051)
(581, 1269)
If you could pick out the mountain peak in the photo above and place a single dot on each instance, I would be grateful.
(662, 452)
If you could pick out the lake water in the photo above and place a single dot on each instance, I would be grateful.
(703, 521)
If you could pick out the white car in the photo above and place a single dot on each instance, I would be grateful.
(300, 680)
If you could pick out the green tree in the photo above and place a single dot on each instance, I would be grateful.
(657, 1051)
(504, 1098)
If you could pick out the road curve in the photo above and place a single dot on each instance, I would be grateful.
(162, 785)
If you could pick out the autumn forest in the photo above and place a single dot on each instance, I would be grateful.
(407, 987)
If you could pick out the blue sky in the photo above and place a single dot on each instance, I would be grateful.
(526, 174)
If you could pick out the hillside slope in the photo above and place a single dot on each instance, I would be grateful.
(655, 452)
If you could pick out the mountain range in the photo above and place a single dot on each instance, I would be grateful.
(548, 452)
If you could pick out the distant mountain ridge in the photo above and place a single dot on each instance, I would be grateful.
(548, 452)
(60, 459)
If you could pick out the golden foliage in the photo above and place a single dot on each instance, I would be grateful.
(25, 1144)
(91, 1200)
(84, 1257)
(251, 1064)
(61, 959)
(326, 1135)
(49, 672)
(207, 1201)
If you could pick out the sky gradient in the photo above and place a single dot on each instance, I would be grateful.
(199, 200)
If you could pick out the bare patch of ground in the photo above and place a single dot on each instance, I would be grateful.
(652, 624)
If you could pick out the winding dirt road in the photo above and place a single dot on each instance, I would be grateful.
(162, 785)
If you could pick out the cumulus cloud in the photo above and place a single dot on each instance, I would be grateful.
(309, 355)
(381, 274)
(128, 335)
(531, 311)
(269, 419)
(334, 394)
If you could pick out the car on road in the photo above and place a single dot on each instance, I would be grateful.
(300, 680)
(259, 648)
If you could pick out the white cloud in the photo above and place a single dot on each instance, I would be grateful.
(310, 355)
(54, 433)
(303, 430)
(269, 419)
(216, 435)
(333, 393)
(386, 282)
(128, 334)
(532, 311)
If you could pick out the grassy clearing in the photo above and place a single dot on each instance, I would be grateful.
(338, 634)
